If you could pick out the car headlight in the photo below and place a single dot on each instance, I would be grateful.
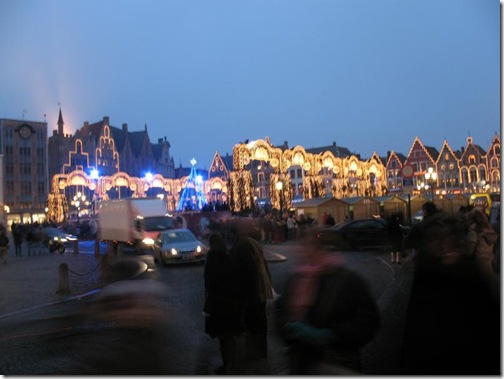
(173, 251)
(148, 241)
(199, 249)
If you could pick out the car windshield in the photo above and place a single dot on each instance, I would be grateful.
(178, 236)
(158, 223)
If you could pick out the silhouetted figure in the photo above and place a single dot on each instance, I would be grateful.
(453, 322)
(480, 239)
(414, 239)
(255, 289)
(4, 244)
(330, 220)
(223, 313)
(395, 237)
(17, 236)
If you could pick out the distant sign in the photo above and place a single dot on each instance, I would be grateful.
(407, 171)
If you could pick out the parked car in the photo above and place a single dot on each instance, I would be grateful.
(370, 233)
(57, 240)
(178, 246)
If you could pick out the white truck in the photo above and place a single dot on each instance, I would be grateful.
(135, 222)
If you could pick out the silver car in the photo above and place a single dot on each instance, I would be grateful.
(178, 246)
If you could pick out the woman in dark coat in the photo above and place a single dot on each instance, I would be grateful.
(222, 306)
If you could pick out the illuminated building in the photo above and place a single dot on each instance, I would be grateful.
(467, 170)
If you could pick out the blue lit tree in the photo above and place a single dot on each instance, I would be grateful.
(193, 196)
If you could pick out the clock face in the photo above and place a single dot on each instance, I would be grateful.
(25, 131)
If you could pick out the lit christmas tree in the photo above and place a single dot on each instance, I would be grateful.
(193, 196)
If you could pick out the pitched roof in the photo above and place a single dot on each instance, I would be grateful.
(337, 151)
(136, 140)
(314, 202)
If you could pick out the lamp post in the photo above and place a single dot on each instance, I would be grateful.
(431, 178)
(279, 188)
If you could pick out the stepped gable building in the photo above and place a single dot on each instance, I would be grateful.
(221, 166)
(470, 169)
(475, 166)
(394, 163)
(493, 156)
(448, 169)
(109, 150)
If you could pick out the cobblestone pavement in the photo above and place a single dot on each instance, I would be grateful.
(30, 302)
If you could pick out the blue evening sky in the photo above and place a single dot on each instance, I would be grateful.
(369, 75)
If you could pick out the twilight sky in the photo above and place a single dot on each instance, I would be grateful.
(369, 75)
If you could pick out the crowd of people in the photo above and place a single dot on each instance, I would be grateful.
(326, 313)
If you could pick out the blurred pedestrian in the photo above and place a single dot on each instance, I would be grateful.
(4, 244)
(18, 236)
(326, 315)
(40, 243)
(330, 220)
(415, 237)
(222, 310)
(480, 241)
(255, 289)
(292, 227)
(31, 238)
(395, 233)
(125, 327)
(452, 321)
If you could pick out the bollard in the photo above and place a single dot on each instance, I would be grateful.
(63, 286)
(120, 252)
(105, 270)
(97, 247)
(76, 247)
(110, 249)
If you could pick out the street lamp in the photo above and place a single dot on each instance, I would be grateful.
(78, 200)
(420, 186)
(431, 178)
(279, 188)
